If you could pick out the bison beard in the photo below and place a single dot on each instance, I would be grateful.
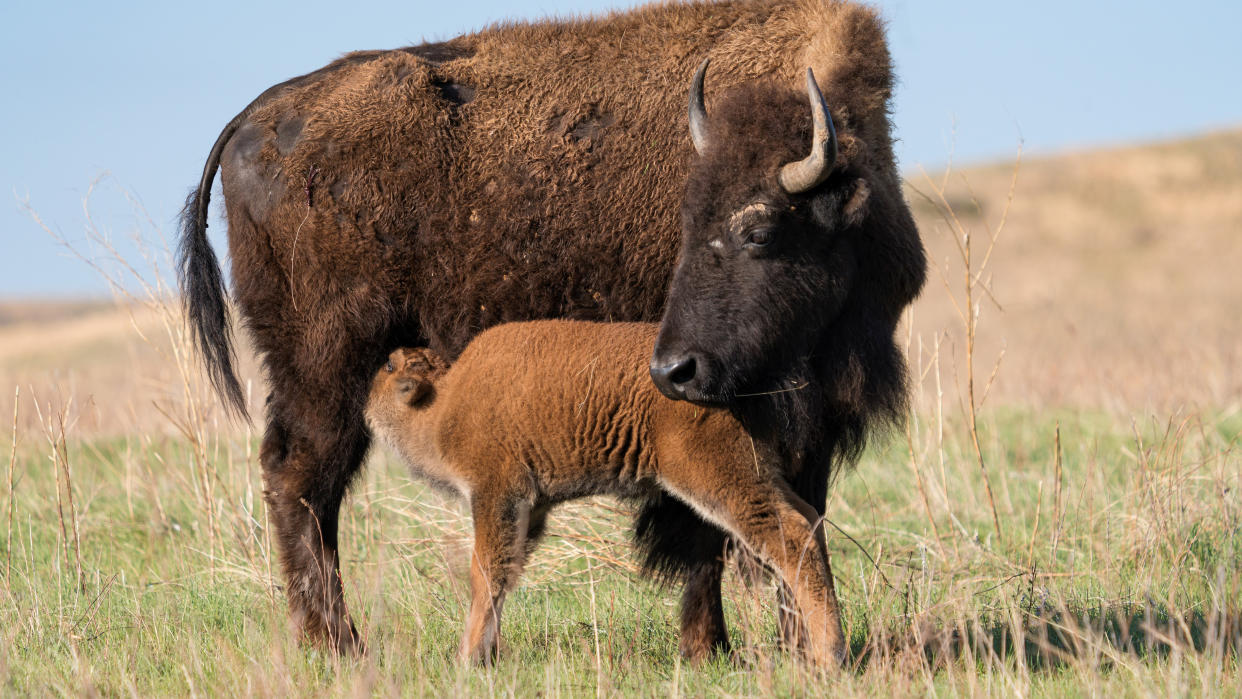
(415, 197)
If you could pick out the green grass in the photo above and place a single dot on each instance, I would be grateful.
(1129, 585)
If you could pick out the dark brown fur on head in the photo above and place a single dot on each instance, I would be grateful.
(758, 127)
(802, 288)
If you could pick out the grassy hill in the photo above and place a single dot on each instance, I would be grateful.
(1116, 272)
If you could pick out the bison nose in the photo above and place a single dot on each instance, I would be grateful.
(672, 376)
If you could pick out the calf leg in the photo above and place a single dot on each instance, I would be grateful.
(768, 518)
(812, 491)
(787, 620)
(793, 632)
(536, 525)
(501, 524)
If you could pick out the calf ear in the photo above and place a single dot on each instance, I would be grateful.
(420, 392)
(412, 389)
(855, 209)
(404, 386)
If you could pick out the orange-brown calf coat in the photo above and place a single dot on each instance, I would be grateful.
(537, 413)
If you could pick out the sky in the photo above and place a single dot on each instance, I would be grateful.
(128, 97)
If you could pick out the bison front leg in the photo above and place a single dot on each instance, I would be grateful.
(677, 541)
(703, 630)
(306, 469)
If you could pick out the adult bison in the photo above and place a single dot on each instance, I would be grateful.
(416, 196)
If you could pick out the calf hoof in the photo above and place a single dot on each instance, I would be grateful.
(825, 650)
(826, 656)
(479, 655)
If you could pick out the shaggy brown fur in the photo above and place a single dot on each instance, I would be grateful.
(533, 414)
(418, 196)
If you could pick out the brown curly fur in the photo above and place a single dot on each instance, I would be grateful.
(534, 414)
(418, 196)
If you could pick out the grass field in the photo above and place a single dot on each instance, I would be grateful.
(1090, 545)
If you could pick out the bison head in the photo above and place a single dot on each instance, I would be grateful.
(775, 224)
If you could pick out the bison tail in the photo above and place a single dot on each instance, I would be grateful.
(203, 292)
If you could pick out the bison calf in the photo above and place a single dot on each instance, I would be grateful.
(534, 414)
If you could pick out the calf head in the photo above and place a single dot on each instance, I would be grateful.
(770, 244)
(409, 376)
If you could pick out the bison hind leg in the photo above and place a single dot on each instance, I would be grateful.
(304, 513)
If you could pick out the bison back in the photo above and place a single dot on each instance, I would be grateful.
(522, 171)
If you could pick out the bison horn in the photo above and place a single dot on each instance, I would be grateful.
(698, 113)
(800, 176)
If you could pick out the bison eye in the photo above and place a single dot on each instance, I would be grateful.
(758, 237)
(390, 367)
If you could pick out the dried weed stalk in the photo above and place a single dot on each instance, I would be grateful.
(973, 288)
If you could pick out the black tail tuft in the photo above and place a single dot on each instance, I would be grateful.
(198, 270)
(204, 297)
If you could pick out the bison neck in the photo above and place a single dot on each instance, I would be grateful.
(850, 389)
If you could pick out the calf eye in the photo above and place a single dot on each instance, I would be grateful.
(758, 237)
(390, 367)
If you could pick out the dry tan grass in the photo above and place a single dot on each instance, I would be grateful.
(1117, 275)
(112, 367)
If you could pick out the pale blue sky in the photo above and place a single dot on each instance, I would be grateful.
(141, 89)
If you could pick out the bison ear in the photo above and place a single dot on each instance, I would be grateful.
(855, 209)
